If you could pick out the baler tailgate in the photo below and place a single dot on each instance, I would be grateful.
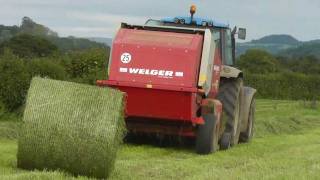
(154, 57)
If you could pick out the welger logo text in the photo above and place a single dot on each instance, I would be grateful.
(151, 72)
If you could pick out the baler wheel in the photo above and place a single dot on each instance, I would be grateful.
(207, 137)
(229, 95)
(247, 135)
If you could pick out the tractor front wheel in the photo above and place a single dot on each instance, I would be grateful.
(247, 135)
(225, 141)
(207, 135)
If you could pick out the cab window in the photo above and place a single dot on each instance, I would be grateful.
(227, 47)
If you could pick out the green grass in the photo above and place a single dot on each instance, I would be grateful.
(9, 123)
(286, 146)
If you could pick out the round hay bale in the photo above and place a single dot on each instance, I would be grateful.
(71, 127)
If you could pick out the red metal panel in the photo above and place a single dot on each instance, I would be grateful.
(160, 104)
(157, 58)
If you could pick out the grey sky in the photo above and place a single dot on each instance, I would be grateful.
(97, 18)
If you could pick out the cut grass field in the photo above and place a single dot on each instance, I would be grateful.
(286, 146)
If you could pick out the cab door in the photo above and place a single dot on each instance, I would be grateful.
(227, 48)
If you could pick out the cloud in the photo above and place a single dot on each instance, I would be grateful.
(85, 31)
(82, 17)
(97, 24)
(106, 18)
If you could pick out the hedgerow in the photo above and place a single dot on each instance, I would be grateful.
(14, 82)
(287, 85)
(72, 127)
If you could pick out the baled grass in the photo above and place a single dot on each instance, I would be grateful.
(71, 127)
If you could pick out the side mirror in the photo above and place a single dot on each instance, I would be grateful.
(242, 33)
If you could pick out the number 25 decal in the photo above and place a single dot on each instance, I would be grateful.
(125, 58)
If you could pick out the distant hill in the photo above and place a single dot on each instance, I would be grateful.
(272, 43)
(277, 39)
(283, 45)
(7, 32)
(106, 41)
(311, 48)
(72, 43)
(28, 26)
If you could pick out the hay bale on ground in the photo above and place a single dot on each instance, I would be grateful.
(72, 127)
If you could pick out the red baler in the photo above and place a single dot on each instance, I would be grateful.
(171, 71)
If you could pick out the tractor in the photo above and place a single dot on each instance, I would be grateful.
(180, 79)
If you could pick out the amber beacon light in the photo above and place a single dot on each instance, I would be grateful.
(193, 9)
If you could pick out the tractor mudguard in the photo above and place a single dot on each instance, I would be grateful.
(230, 72)
(246, 99)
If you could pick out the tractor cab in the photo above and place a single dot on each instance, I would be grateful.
(218, 44)
(220, 31)
(191, 21)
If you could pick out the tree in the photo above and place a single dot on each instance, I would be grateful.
(7, 32)
(258, 61)
(28, 26)
(28, 46)
(16, 73)
(14, 81)
(89, 65)
(306, 65)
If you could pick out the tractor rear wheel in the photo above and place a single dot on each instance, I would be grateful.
(207, 136)
(247, 135)
(230, 94)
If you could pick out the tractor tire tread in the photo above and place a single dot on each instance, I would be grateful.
(229, 95)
